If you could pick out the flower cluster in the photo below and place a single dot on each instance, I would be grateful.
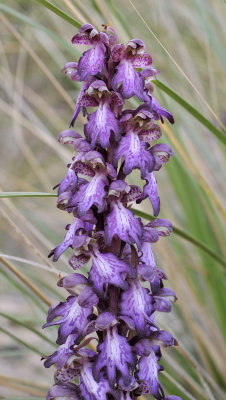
(110, 307)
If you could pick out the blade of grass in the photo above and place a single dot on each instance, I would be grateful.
(30, 328)
(26, 281)
(180, 69)
(141, 214)
(29, 346)
(60, 13)
(23, 382)
(195, 113)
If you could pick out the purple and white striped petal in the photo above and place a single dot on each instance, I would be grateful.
(129, 80)
(92, 193)
(73, 321)
(100, 125)
(148, 375)
(115, 354)
(121, 222)
(151, 191)
(136, 303)
(90, 388)
(62, 354)
(135, 154)
(107, 269)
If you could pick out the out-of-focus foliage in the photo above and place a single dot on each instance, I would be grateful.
(36, 103)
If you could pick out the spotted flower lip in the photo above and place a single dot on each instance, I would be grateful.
(115, 290)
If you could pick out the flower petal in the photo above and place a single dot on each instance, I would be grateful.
(121, 222)
(100, 125)
(67, 391)
(151, 191)
(115, 354)
(108, 269)
(131, 81)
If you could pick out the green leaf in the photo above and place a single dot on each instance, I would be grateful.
(59, 12)
(196, 114)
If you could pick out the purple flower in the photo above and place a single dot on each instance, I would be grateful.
(108, 269)
(111, 306)
(122, 223)
(73, 321)
(115, 354)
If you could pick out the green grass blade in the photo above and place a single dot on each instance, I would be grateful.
(60, 13)
(29, 346)
(26, 194)
(27, 20)
(196, 114)
(16, 321)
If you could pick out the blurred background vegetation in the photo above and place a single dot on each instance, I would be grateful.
(36, 104)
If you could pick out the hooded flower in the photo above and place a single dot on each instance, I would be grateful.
(110, 305)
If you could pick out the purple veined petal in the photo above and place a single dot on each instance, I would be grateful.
(107, 269)
(151, 191)
(151, 134)
(82, 39)
(93, 61)
(166, 292)
(128, 388)
(62, 354)
(112, 34)
(90, 388)
(162, 337)
(115, 354)
(137, 304)
(162, 226)
(135, 154)
(148, 374)
(78, 261)
(68, 240)
(67, 391)
(105, 320)
(121, 222)
(147, 267)
(117, 52)
(134, 194)
(92, 193)
(131, 81)
(88, 298)
(73, 321)
(150, 235)
(100, 125)
(77, 105)
(161, 304)
(141, 60)
(161, 111)
(162, 151)
(149, 71)
(69, 183)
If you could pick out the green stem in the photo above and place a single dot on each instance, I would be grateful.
(59, 12)
(204, 121)
(187, 237)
